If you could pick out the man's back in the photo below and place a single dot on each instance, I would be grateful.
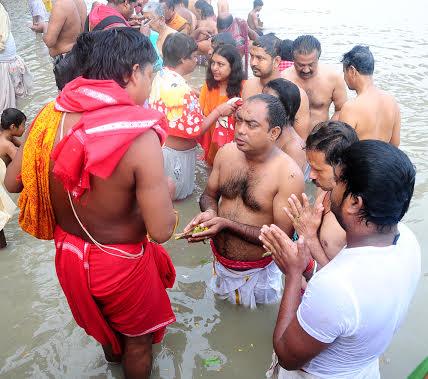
(357, 302)
(66, 23)
(374, 115)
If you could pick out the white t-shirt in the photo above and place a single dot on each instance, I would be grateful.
(356, 303)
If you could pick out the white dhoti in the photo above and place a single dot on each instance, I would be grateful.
(249, 287)
(277, 372)
(7, 206)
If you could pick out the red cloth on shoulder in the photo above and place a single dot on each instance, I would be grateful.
(100, 12)
(285, 64)
(115, 294)
(111, 121)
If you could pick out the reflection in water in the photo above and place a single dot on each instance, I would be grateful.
(213, 339)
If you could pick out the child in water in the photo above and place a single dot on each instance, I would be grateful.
(12, 126)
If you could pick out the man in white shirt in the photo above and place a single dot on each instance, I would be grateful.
(352, 307)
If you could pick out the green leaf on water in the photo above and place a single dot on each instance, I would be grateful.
(210, 362)
(204, 261)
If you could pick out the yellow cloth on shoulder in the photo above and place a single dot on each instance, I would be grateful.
(48, 5)
(36, 215)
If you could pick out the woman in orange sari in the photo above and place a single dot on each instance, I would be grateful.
(223, 84)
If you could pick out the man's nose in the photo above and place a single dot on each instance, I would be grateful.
(312, 174)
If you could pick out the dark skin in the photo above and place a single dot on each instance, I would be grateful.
(121, 209)
(232, 215)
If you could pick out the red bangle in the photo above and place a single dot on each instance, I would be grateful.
(310, 266)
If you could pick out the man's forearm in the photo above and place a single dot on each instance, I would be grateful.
(289, 304)
(317, 251)
(248, 233)
(207, 202)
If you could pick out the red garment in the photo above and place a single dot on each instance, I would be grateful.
(109, 294)
(285, 64)
(110, 123)
(100, 12)
(224, 131)
(239, 30)
(239, 265)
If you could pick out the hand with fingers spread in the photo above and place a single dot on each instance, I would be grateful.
(306, 218)
(291, 258)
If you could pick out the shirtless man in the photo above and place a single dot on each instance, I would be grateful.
(253, 19)
(186, 14)
(321, 83)
(173, 18)
(12, 126)
(119, 210)
(67, 21)
(374, 114)
(222, 6)
(248, 187)
(265, 61)
(206, 27)
(316, 223)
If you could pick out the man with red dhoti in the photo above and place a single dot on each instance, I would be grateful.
(105, 191)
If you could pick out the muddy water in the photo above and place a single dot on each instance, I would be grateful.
(39, 338)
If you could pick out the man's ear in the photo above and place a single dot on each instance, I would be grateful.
(275, 133)
(276, 62)
(354, 205)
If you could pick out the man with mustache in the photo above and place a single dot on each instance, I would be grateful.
(321, 83)
(264, 61)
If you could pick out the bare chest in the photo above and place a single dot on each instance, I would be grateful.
(319, 91)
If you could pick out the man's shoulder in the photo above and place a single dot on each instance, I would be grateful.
(288, 170)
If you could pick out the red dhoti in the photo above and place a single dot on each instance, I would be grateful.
(110, 294)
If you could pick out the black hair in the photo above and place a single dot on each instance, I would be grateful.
(66, 69)
(306, 44)
(177, 46)
(276, 113)
(223, 39)
(224, 21)
(286, 50)
(331, 138)
(12, 116)
(234, 83)
(289, 95)
(383, 176)
(361, 58)
(170, 4)
(269, 43)
(257, 3)
(206, 9)
(199, 4)
(111, 54)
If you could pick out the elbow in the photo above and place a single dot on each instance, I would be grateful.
(286, 361)
(48, 41)
(162, 234)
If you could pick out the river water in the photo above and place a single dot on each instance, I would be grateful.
(213, 339)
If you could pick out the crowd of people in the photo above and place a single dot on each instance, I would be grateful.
(100, 167)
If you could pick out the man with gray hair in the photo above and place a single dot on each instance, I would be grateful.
(154, 17)
(373, 114)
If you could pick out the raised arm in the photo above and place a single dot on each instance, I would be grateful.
(339, 96)
(151, 187)
(56, 23)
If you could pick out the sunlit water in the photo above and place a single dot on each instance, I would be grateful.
(39, 338)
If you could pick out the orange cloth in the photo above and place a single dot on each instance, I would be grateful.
(209, 100)
(36, 215)
(177, 22)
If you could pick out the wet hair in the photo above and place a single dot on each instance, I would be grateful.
(383, 176)
(12, 116)
(269, 43)
(206, 9)
(276, 113)
(224, 21)
(177, 46)
(331, 138)
(111, 54)
(257, 3)
(66, 69)
(361, 58)
(306, 44)
(170, 4)
(286, 50)
(155, 8)
(223, 39)
(234, 83)
(289, 95)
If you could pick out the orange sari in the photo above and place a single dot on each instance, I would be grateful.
(209, 100)
(36, 215)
